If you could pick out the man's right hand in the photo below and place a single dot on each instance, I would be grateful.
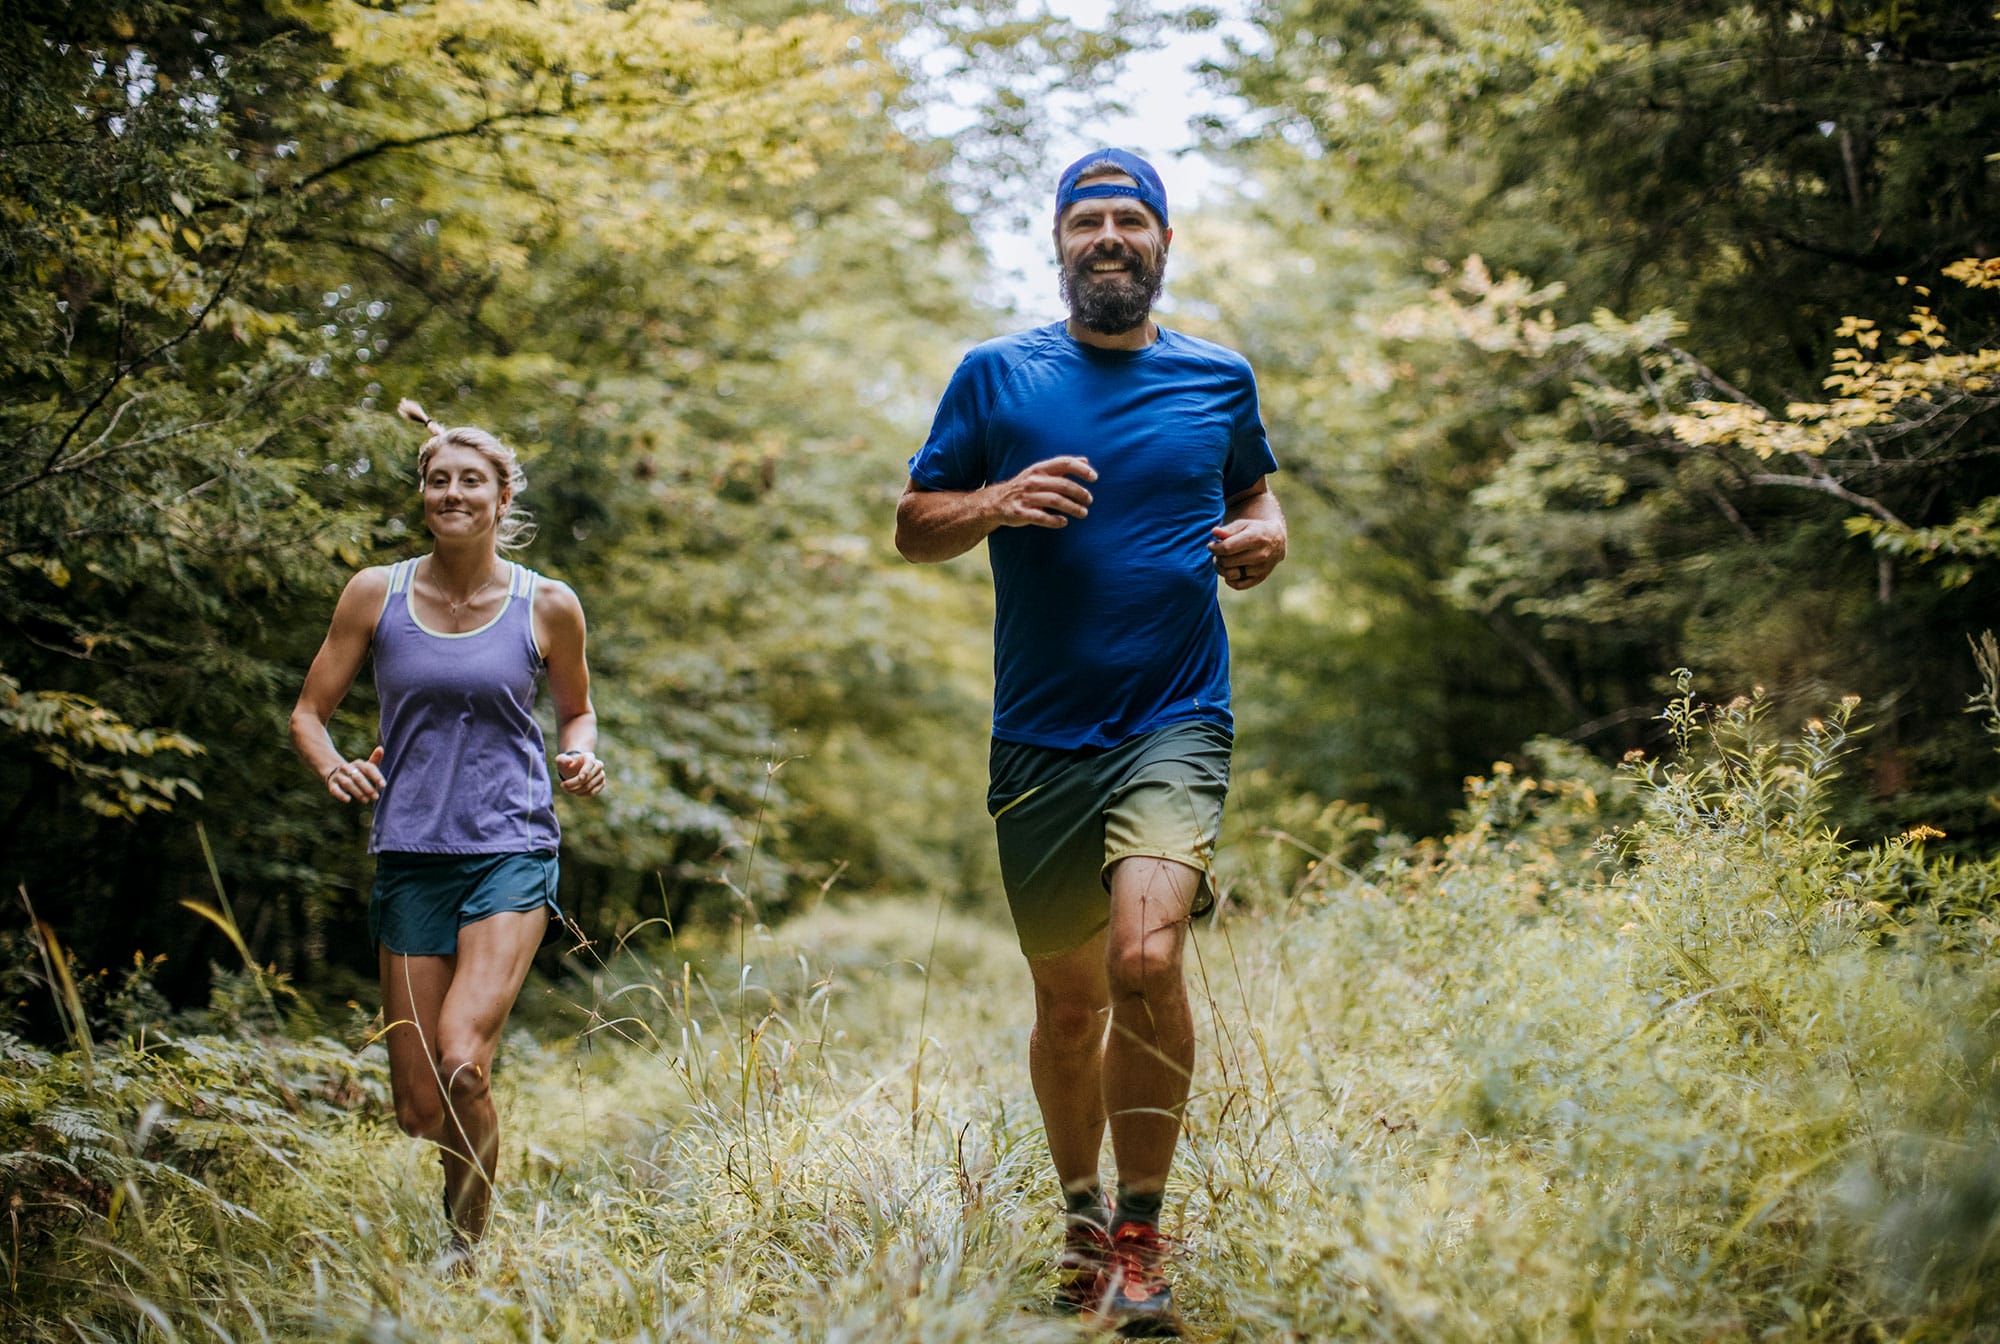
(1048, 494)
(934, 525)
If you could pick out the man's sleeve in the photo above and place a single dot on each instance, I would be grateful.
(1250, 458)
(954, 456)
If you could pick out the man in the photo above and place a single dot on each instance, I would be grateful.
(1116, 470)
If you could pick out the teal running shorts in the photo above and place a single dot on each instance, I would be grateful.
(421, 901)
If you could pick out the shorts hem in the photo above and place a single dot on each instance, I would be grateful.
(382, 945)
(1206, 867)
(556, 920)
(555, 914)
(1062, 951)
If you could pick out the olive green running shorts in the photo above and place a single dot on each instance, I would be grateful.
(1064, 817)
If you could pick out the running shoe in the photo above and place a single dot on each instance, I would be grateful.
(1080, 1268)
(1138, 1301)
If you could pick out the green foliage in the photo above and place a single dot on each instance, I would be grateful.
(1588, 525)
(1720, 1078)
(1703, 195)
(688, 259)
(168, 1135)
(67, 730)
(1707, 158)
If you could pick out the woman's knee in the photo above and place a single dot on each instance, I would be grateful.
(421, 1116)
(465, 1075)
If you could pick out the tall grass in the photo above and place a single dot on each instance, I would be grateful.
(1652, 1055)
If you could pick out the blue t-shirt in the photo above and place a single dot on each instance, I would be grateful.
(1109, 627)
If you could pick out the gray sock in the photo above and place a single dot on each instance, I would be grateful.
(1086, 1204)
(1137, 1208)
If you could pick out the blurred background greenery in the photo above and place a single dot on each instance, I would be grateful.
(1529, 292)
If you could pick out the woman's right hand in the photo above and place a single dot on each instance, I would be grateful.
(357, 781)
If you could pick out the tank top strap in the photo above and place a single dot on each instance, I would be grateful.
(521, 589)
(399, 586)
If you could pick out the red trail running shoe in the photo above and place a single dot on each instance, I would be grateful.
(1138, 1302)
(1080, 1268)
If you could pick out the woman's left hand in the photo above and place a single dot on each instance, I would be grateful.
(580, 773)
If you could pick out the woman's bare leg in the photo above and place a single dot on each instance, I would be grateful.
(493, 959)
(445, 1017)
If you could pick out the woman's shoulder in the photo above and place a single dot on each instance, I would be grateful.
(361, 601)
(553, 595)
(558, 613)
(371, 579)
(368, 587)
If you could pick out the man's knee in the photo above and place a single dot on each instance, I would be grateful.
(1146, 965)
(1069, 1026)
(1068, 1015)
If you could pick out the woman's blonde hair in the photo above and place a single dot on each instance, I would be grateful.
(515, 528)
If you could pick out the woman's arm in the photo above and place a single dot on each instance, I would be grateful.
(559, 630)
(332, 672)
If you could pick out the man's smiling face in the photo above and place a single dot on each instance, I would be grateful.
(1113, 256)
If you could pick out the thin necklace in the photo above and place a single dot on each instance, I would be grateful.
(463, 602)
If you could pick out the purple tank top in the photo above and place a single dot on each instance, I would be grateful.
(466, 768)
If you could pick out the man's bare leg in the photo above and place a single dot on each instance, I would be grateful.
(1066, 1059)
(1149, 1057)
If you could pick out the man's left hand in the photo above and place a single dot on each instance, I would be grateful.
(1247, 550)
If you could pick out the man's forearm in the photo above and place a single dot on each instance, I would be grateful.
(934, 525)
(1260, 506)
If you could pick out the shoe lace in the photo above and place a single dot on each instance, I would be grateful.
(1086, 1245)
(1138, 1251)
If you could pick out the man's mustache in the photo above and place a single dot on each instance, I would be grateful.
(1082, 265)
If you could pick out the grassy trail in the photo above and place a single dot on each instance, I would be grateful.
(1728, 1080)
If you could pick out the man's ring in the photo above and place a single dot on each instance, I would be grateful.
(1242, 572)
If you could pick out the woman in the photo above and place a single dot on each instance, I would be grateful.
(465, 830)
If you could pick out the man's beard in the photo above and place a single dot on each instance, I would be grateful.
(1114, 303)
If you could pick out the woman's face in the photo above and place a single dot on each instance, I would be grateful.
(463, 494)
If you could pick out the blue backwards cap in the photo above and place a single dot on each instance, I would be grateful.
(1148, 191)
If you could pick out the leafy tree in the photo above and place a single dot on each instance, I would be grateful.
(1748, 175)
(688, 259)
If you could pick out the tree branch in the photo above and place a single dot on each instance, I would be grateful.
(1544, 670)
(1826, 485)
(1722, 384)
(121, 373)
(382, 147)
